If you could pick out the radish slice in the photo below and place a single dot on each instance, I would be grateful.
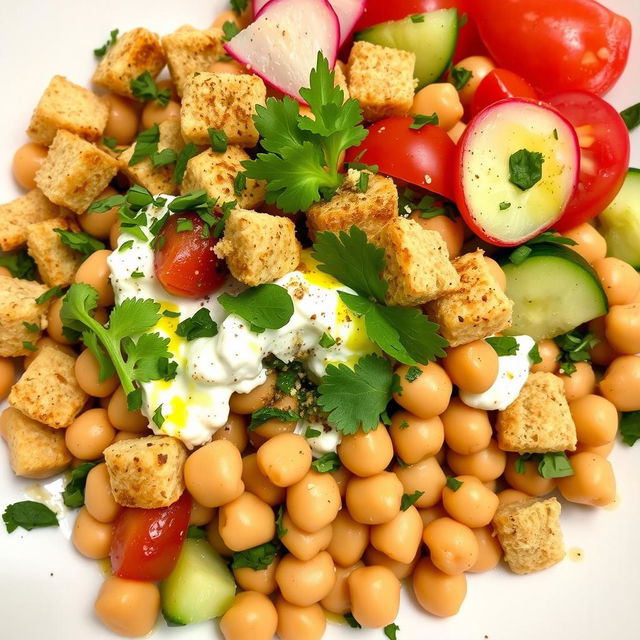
(257, 6)
(282, 44)
(495, 201)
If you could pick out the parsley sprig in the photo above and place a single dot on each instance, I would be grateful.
(19, 264)
(80, 241)
(145, 89)
(550, 465)
(100, 52)
(575, 346)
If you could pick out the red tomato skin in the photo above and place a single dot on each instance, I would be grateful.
(609, 154)
(146, 542)
(423, 157)
(555, 44)
(498, 85)
(185, 262)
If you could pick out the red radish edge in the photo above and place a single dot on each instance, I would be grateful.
(258, 5)
(348, 12)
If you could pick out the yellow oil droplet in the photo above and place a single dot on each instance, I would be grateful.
(575, 554)
(105, 567)
(168, 326)
(614, 504)
(178, 415)
(314, 276)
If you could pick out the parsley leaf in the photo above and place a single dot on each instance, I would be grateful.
(631, 116)
(230, 30)
(218, 140)
(504, 206)
(409, 499)
(261, 416)
(454, 484)
(328, 462)
(195, 533)
(575, 346)
(145, 89)
(420, 120)
(256, 558)
(525, 168)
(326, 341)
(102, 51)
(504, 345)
(280, 530)
(351, 621)
(188, 151)
(459, 76)
(80, 241)
(109, 142)
(157, 418)
(146, 145)
(286, 381)
(239, 183)
(363, 182)
(630, 427)
(391, 630)
(238, 6)
(29, 345)
(413, 373)
(19, 264)
(28, 515)
(427, 206)
(267, 306)
(519, 255)
(163, 158)
(73, 494)
(54, 292)
(199, 325)
(534, 355)
(30, 326)
(555, 465)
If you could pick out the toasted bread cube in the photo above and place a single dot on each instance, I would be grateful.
(479, 308)
(75, 172)
(418, 268)
(381, 80)
(216, 173)
(146, 472)
(155, 179)
(539, 419)
(65, 105)
(48, 390)
(17, 215)
(133, 53)
(35, 450)
(530, 534)
(221, 101)
(258, 247)
(57, 263)
(341, 78)
(190, 50)
(19, 313)
(370, 210)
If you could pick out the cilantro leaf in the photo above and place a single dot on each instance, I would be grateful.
(230, 30)
(188, 151)
(28, 515)
(391, 630)
(525, 168)
(631, 116)
(534, 355)
(630, 427)
(256, 558)
(328, 462)
(145, 89)
(54, 292)
(19, 264)
(238, 6)
(409, 499)
(80, 241)
(260, 416)
(163, 158)
(504, 345)
(146, 145)
(73, 494)
(100, 52)
(267, 306)
(420, 120)
(575, 346)
(459, 76)
(199, 325)
(454, 484)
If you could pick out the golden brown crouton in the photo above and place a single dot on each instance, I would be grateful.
(134, 52)
(417, 263)
(381, 80)
(370, 210)
(479, 308)
(221, 101)
(21, 319)
(74, 172)
(57, 263)
(17, 215)
(530, 534)
(35, 450)
(216, 173)
(65, 105)
(258, 247)
(539, 419)
(190, 50)
(341, 78)
(146, 472)
(48, 390)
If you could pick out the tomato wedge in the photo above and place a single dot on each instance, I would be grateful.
(498, 85)
(146, 542)
(424, 157)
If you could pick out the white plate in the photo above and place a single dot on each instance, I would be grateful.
(47, 590)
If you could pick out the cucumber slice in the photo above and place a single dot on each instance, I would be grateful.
(553, 291)
(433, 40)
(620, 221)
(199, 588)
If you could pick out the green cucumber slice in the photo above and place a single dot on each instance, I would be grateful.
(433, 40)
(620, 221)
(554, 290)
(199, 588)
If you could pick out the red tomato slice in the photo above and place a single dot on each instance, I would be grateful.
(557, 45)
(498, 85)
(423, 157)
(146, 542)
(185, 262)
(604, 147)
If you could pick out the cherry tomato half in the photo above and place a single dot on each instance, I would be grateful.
(557, 45)
(185, 262)
(146, 542)
(498, 85)
(424, 157)
(604, 154)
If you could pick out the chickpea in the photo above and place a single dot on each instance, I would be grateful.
(399, 538)
(452, 231)
(314, 501)
(480, 66)
(87, 372)
(260, 397)
(301, 544)
(127, 435)
(89, 434)
(262, 581)
(486, 465)
(511, 496)
(212, 474)
(426, 476)
(466, 430)
(54, 323)
(592, 482)
(300, 622)
(128, 607)
(275, 426)
(580, 383)
(376, 499)
(416, 438)
(399, 569)
(452, 546)
(305, 582)
(7, 376)
(122, 123)
(366, 454)
(26, 162)
(603, 450)
(123, 419)
(455, 133)
(472, 367)
(6, 418)
(95, 271)
(349, 539)
(621, 383)
(232, 66)
(114, 235)
(496, 271)
(155, 113)
(246, 522)
(200, 515)
(620, 280)
(596, 420)
(98, 498)
(591, 245)
(472, 503)
(427, 395)
(438, 593)
(235, 431)
(215, 539)
(432, 513)
(602, 353)
(442, 99)
(252, 615)
(257, 483)
(100, 224)
(622, 327)
(91, 537)
(529, 482)
(375, 596)
(342, 477)
(284, 459)
(549, 352)
(489, 550)
(338, 600)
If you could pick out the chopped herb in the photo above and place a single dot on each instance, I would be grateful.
(454, 484)
(555, 465)
(391, 631)
(188, 151)
(110, 143)
(519, 255)
(385, 419)
(519, 463)
(401, 463)
(163, 158)
(328, 462)
(256, 558)
(170, 314)
(199, 325)
(227, 208)
(404, 425)
(420, 121)
(267, 306)
(240, 183)
(525, 168)
(54, 292)
(28, 515)
(426, 205)
(30, 326)
(80, 241)
(29, 345)
(280, 530)
(105, 204)
(504, 206)
(459, 76)
(363, 181)
(218, 140)
(137, 274)
(630, 427)
(409, 499)
(575, 346)
(631, 116)
(504, 346)
(158, 418)
(73, 494)
(413, 373)
(417, 17)
(326, 341)
(100, 52)
(312, 433)
(361, 166)
(534, 355)
(230, 30)
(19, 264)
(146, 145)
(184, 224)
(286, 381)
(127, 244)
(145, 89)
(196, 533)
(555, 134)
(261, 416)
(351, 621)
(551, 237)
(238, 6)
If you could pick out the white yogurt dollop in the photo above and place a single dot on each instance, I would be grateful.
(326, 442)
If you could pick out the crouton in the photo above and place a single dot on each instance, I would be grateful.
(381, 80)
(479, 308)
(35, 450)
(190, 50)
(216, 173)
(75, 172)
(417, 263)
(370, 210)
(65, 105)
(258, 247)
(133, 53)
(146, 472)
(539, 419)
(21, 319)
(530, 535)
(17, 215)
(57, 263)
(155, 179)
(340, 78)
(221, 101)
(48, 390)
